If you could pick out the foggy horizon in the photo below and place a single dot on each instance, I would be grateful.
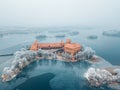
(59, 13)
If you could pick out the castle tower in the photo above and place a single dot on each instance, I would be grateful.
(34, 46)
(72, 48)
(68, 41)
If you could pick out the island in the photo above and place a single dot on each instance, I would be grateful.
(64, 51)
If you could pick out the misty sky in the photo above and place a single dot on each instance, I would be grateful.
(60, 12)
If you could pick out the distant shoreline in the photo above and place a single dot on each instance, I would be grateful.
(6, 55)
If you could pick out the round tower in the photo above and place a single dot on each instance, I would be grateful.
(68, 41)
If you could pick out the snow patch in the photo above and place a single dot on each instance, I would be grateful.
(98, 77)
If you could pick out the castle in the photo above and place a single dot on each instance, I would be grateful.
(68, 47)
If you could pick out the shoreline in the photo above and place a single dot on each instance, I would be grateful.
(17, 71)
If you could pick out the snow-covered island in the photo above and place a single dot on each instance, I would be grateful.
(67, 52)
(98, 77)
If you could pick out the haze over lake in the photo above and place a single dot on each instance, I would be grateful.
(92, 23)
